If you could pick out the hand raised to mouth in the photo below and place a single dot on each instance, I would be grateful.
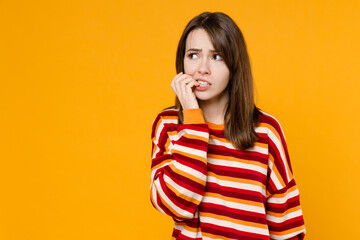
(182, 84)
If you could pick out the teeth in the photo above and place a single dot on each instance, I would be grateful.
(202, 83)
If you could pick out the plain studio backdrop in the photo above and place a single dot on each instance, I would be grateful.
(82, 81)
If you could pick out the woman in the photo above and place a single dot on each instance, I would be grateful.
(220, 165)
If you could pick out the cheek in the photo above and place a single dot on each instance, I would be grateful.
(226, 73)
(225, 77)
(189, 68)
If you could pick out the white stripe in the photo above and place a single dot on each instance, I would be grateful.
(238, 227)
(231, 146)
(190, 132)
(192, 151)
(277, 121)
(154, 198)
(274, 178)
(244, 186)
(229, 163)
(170, 110)
(208, 238)
(160, 128)
(284, 218)
(161, 166)
(187, 233)
(287, 236)
(181, 167)
(157, 149)
(190, 170)
(163, 196)
(169, 120)
(279, 146)
(284, 199)
(234, 205)
(157, 136)
(261, 129)
(182, 190)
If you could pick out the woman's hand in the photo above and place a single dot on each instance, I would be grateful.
(182, 85)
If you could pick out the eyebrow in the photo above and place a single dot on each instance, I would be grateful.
(199, 50)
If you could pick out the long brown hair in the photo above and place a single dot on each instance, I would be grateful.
(241, 115)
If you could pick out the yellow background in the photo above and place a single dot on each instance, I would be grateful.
(82, 81)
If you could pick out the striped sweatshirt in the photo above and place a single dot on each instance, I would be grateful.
(213, 190)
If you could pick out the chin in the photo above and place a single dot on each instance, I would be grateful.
(204, 98)
(199, 95)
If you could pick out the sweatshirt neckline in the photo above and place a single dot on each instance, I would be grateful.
(215, 126)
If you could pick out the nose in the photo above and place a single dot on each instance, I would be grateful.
(204, 67)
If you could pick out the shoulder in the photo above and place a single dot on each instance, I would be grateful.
(166, 116)
(169, 112)
(272, 124)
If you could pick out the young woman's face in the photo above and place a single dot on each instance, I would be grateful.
(202, 62)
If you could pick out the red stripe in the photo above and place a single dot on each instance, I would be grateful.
(186, 182)
(231, 233)
(192, 163)
(179, 202)
(236, 172)
(287, 225)
(192, 143)
(235, 193)
(237, 154)
(234, 213)
(278, 161)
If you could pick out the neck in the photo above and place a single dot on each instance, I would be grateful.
(214, 109)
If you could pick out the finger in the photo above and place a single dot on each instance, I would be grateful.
(184, 80)
(177, 76)
(190, 85)
(190, 94)
(175, 79)
(183, 84)
(195, 82)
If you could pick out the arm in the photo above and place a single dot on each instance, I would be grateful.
(283, 210)
(179, 166)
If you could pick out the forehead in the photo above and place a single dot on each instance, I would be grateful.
(199, 38)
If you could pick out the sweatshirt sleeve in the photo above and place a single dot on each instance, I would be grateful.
(179, 163)
(283, 210)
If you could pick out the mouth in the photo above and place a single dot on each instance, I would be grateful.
(203, 82)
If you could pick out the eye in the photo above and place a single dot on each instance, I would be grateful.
(192, 55)
(217, 57)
